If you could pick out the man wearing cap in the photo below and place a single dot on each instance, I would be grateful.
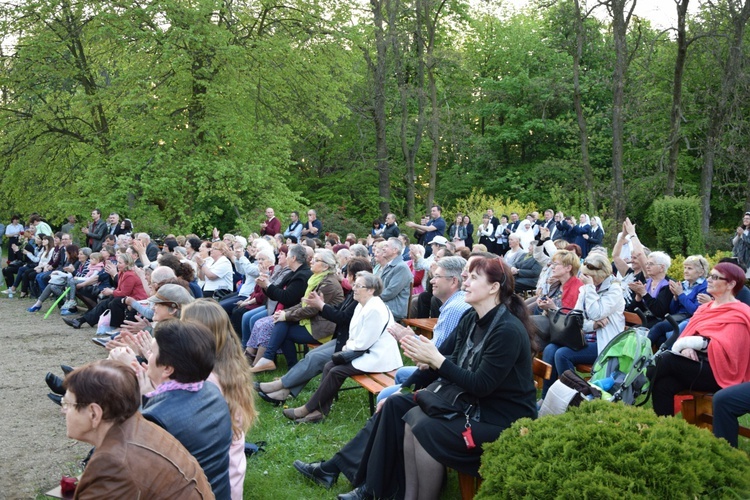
(168, 301)
(432, 229)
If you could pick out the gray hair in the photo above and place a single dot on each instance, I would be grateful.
(162, 273)
(396, 244)
(372, 282)
(327, 257)
(86, 251)
(699, 262)
(453, 267)
(267, 253)
(298, 252)
(661, 259)
(358, 250)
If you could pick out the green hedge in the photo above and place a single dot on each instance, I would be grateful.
(609, 450)
(677, 222)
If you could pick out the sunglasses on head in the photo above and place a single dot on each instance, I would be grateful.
(592, 267)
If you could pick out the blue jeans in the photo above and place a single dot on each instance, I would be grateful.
(42, 279)
(248, 321)
(565, 358)
(286, 336)
(402, 375)
(229, 302)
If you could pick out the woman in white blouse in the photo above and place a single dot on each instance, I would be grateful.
(217, 272)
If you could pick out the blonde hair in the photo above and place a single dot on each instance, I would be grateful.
(601, 262)
(699, 262)
(224, 249)
(230, 367)
(568, 258)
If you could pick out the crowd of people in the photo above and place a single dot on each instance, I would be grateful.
(186, 326)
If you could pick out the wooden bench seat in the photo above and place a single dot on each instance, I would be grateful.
(698, 410)
(374, 383)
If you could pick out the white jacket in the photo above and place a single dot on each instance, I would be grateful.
(368, 329)
(608, 303)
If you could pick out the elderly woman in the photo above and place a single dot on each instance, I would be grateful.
(516, 251)
(600, 298)
(301, 324)
(654, 296)
(216, 273)
(370, 348)
(129, 284)
(684, 298)
(711, 353)
(133, 458)
(562, 293)
(488, 385)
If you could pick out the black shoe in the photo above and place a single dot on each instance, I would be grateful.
(356, 494)
(315, 473)
(56, 398)
(66, 369)
(256, 385)
(55, 383)
(101, 342)
(269, 399)
(75, 322)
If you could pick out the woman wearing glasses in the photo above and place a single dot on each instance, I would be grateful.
(600, 298)
(711, 353)
(134, 458)
(654, 296)
(367, 335)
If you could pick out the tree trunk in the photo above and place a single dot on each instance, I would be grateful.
(435, 116)
(588, 175)
(720, 111)
(620, 21)
(378, 69)
(676, 114)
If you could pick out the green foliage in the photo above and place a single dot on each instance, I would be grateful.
(335, 220)
(606, 450)
(477, 203)
(675, 271)
(677, 222)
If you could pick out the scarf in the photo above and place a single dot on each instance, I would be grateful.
(314, 281)
(664, 282)
(728, 327)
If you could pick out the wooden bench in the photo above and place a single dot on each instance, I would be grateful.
(374, 383)
(698, 410)
(422, 326)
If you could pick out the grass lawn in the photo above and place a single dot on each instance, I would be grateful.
(270, 475)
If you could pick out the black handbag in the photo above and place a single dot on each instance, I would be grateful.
(442, 399)
(567, 329)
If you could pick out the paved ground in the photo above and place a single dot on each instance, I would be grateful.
(34, 449)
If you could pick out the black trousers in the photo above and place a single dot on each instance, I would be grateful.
(675, 373)
(333, 378)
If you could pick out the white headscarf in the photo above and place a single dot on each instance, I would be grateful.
(586, 218)
(598, 223)
(525, 233)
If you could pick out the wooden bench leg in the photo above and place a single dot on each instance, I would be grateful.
(468, 485)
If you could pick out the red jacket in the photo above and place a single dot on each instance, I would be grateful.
(130, 285)
(273, 227)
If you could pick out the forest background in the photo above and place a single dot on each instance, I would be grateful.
(185, 115)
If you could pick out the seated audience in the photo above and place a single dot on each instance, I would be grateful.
(601, 301)
(217, 272)
(654, 296)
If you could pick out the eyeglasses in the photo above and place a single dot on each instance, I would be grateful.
(358, 286)
(67, 405)
(437, 277)
(592, 267)
(716, 277)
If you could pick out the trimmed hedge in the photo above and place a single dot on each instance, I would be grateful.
(609, 450)
(677, 222)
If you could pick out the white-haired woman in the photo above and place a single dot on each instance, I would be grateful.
(653, 296)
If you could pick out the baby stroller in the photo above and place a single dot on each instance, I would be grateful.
(620, 369)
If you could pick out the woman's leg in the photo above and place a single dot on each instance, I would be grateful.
(333, 378)
(424, 474)
(548, 356)
(296, 334)
(248, 322)
(675, 373)
(566, 358)
(278, 337)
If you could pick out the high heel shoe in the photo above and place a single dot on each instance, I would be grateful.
(66, 369)
(55, 383)
(34, 309)
(56, 398)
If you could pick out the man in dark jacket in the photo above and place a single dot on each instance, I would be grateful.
(391, 228)
(96, 231)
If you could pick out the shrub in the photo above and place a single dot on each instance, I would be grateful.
(675, 271)
(609, 450)
(677, 222)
